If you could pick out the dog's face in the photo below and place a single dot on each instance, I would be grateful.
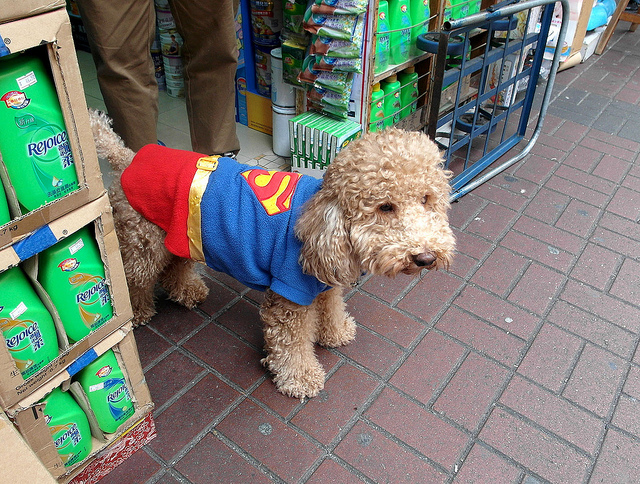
(386, 201)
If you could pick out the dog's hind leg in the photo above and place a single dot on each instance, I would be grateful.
(182, 283)
(336, 326)
(289, 333)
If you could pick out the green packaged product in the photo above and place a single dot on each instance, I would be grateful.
(72, 273)
(69, 427)
(34, 143)
(110, 399)
(27, 327)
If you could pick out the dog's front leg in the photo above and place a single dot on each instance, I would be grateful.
(336, 327)
(289, 333)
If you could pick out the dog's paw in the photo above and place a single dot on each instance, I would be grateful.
(301, 384)
(338, 335)
(192, 295)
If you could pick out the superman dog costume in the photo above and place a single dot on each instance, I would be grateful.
(235, 218)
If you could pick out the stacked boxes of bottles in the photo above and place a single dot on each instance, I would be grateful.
(166, 51)
(70, 376)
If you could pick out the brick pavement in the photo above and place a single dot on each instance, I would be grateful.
(520, 365)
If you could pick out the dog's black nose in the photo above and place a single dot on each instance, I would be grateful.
(424, 260)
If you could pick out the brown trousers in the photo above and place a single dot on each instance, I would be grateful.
(120, 36)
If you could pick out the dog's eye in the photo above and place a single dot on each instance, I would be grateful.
(386, 207)
(425, 199)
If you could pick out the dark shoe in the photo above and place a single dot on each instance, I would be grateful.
(229, 154)
(632, 6)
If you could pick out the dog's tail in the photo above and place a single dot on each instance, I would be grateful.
(108, 144)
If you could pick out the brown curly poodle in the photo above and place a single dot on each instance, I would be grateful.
(381, 208)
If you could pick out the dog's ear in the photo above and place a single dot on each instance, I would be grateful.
(326, 253)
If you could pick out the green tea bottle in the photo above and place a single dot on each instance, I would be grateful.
(376, 119)
(34, 143)
(27, 327)
(72, 273)
(105, 386)
(69, 427)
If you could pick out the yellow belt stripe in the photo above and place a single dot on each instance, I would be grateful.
(205, 165)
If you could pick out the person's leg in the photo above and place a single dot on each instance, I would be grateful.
(210, 58)
(120, 34)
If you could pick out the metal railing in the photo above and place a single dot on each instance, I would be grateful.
(485, 79)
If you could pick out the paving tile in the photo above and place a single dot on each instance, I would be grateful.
(471, 245)
(383, 460)
(139, 464)
(619, 460)
(386, 288)
(497, 311)
(502, 195)
(243, 319)
(170, 375)
(547, 456)
(612, 168)
(547, 205)
(583, 158)
(625, 203)
(464, 210)
(537, 250)
(554, 413)
(481, 336)
(492, 221)
(589, 189)
(500, 271)
(190, 414)
(596, 266)
(383, 320)
(430, 295)
(175, 322)
(537, 288)
(593, 329)
(632, 385)
(150, 345)
(428, 366)
(624, 150)
(627, 283)
(553, 236)
(279, 403)
(468, 397)
(462, 265)
(484, 466)
(578, 218)
(372, 352)
(536, 168)
(595, 380)
(418, 428)
(270, 441)
(631, 182)
(227, 354)
(330, 471)
(213, 461)
(611, 309)
(621, 226)
(626, 415)
(551, 357)
(325, 416)
(219, 297)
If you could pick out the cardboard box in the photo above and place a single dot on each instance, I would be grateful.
(13, 387)
(259, 115)
(52, 31)
(16, 456)
(28, 8)
(28, 417)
